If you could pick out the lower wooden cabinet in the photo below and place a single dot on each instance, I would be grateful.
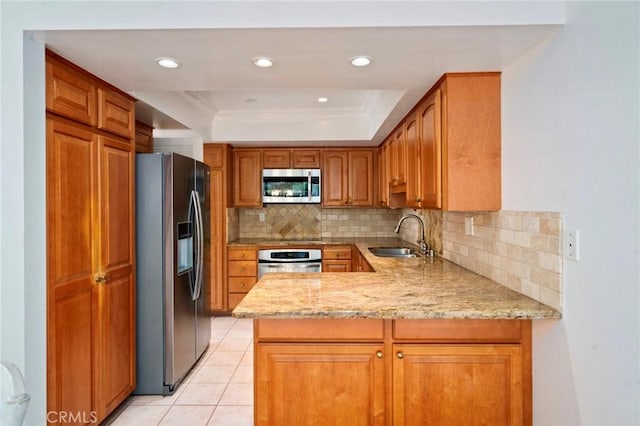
(336, 259)
(242, 271)
(457, 384)
(374, 372)
(320, 384)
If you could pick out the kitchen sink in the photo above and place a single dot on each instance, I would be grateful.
(403, 252)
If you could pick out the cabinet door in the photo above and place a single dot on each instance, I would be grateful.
(144, 137)
(305, 159)
(360, 175)
(431, 151)
(334, 178)
(276, 158)
(72, 295)
(300, 384)
(70, 94)
(116, 113)
(336, 265)
(216, 278)
(412, 173)
(457, 385)
(383, 174)
(117, 293)
(399, 159)
(247, 178)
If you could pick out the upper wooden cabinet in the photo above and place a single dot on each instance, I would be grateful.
(297, 158)
(116, 113)
(69, 93)
(347, 178)
(247, 178)
(446, 153)
(144, 137)
(383, 175)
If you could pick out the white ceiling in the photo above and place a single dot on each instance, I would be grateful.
(209, 92)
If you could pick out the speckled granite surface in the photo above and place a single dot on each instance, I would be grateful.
(415, 288)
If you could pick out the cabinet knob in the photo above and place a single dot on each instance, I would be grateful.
(241, 285)
(400, 355)
(242, 268)
(101, 278)
(379, 354)
(418, 200)
(241, 254)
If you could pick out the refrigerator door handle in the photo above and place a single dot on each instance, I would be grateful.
(193, 218)
(200, 254)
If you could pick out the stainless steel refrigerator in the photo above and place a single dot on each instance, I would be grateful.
(172, 230)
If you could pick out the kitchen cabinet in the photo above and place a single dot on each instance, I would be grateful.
(361, 264)
(296, 158)
(242, 271)
(336, 259)
(90, 244)
(413, 162)
(430, 142)
(305, 158)
(144, 137)
(347, 178)
(219, 159)
(247, 178)
(398, 159)
(403, 372)
(276, 158)
(383, 174)
(116, 113)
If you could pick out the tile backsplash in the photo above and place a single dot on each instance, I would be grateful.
(520, 250)
(311, 221)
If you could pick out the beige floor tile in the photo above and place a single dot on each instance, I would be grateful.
(247, 359)
(237, 394)
(219, 333)
(243, 374)
(240, 333)
(224, 358)
(233, 345)
(201, 394)
(228, 415)
(141, 415)
(244, 323)
(191, 415)
(214, 374)
(223, 323)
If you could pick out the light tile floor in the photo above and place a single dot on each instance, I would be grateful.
(218, 391)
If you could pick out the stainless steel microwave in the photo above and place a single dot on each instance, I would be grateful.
(291, 186)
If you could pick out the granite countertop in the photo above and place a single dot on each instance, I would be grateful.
(413, 288)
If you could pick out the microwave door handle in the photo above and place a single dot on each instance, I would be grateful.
(309, 185)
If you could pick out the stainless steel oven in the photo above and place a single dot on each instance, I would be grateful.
(291, 186)
(289, 260)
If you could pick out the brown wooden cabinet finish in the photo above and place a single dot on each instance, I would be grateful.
(383, 174)
(413, 162)
(325, 384)
(219, 159)
(144, 137)
(242, 271)
(90, 247)
(430, 143)
(457, 384)
(247, 178)
(336, 265)
(347, 178)
(428, 376)
(398, 157)
(336, 259)
(305, 158)
(116, 113)
(276, 158)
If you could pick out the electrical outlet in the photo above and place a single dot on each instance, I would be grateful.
(468, 225)
(571, 245)
(261, 217)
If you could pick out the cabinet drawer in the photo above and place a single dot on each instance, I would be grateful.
(115, 113)
(336, 253)
(70, 93)
(320, 330)
(336, 265)
(241, 284)
(494, 331)
(234, 299)
(242, 268)
(241, 254)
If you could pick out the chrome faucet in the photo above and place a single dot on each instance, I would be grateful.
(424, 249)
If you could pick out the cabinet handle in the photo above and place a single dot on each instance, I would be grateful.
(242, 268)
(241, 285)
(242, 254)
(418, 200)
(379, 354)
(101, 278)
(400, 355)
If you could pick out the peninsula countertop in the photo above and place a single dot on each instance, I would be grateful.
(401, 288)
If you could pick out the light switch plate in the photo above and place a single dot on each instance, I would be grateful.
(468, 225)
(261, 217)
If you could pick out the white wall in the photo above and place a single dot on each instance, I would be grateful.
(571, 144)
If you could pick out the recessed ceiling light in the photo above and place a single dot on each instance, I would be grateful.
(263, 62)
(360, 61)
(168, 62)
(323, 99)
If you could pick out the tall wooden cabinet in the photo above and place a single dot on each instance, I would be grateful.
(90, 242)
(219, 158)
(247, 178)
